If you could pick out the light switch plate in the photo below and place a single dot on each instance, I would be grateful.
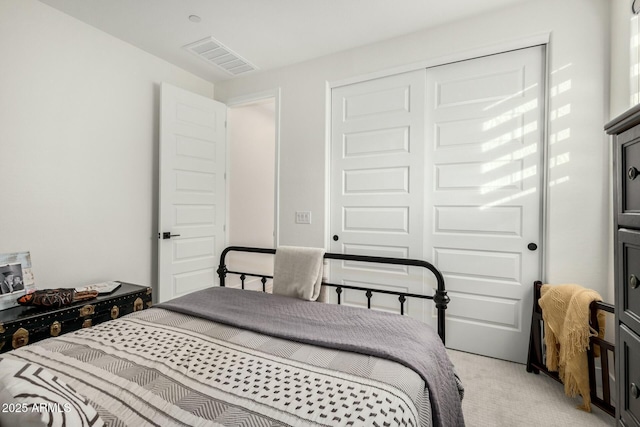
(303, 217)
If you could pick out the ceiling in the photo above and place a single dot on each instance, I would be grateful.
(268, 33)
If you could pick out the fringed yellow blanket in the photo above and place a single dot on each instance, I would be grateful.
(565, 311)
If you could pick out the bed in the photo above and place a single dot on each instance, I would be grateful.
(233, 357)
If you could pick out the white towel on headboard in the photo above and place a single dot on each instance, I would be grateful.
(298, 272)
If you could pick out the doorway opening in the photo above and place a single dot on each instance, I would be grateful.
(252, 183)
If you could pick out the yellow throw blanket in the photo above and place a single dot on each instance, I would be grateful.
(565, 311)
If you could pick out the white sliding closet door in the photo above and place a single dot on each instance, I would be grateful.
(485, 123)
(377, 185)
(445, 164)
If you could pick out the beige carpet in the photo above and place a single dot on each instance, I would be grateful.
(500, 393)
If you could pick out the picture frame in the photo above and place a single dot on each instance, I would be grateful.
(16, 278)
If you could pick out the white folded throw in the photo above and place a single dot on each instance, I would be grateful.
(298, 272)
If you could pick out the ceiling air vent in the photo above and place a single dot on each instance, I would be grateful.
(215, 53)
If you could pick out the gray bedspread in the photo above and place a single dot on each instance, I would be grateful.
(391, 336)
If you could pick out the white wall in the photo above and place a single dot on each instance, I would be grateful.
(252, 147)
(623, 62)
(578, 212)
(79, 147)
(622, 91)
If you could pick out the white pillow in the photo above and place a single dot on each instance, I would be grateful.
(32, 396)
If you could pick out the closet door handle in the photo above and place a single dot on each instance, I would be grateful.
(632, 173)
(633, 281)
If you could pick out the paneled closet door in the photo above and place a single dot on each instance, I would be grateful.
(377, 181)
(485, 123)
(445, 164)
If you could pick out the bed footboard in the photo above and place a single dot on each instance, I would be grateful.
(440, 297)
(536, 359)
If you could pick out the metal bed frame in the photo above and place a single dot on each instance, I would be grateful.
(440, 297)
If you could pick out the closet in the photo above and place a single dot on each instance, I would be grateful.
(446, 164)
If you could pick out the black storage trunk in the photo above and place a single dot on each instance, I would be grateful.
(23, 325)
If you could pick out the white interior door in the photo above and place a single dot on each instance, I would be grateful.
(485, 126)
(377, 183)
(192, 191)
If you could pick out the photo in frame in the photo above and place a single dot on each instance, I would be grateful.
(11, 278)
(16, 278)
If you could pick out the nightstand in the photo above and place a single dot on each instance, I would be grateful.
(22, 325)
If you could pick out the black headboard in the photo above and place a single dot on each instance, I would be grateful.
(440, 297)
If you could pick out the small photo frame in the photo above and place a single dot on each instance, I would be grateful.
(16, 278)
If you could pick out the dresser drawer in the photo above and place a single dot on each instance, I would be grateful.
(628, 281)
(630, 170)
(629, 389)
(628, 179)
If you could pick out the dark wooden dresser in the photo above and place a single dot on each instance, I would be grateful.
(626, 181)
(23, 325)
